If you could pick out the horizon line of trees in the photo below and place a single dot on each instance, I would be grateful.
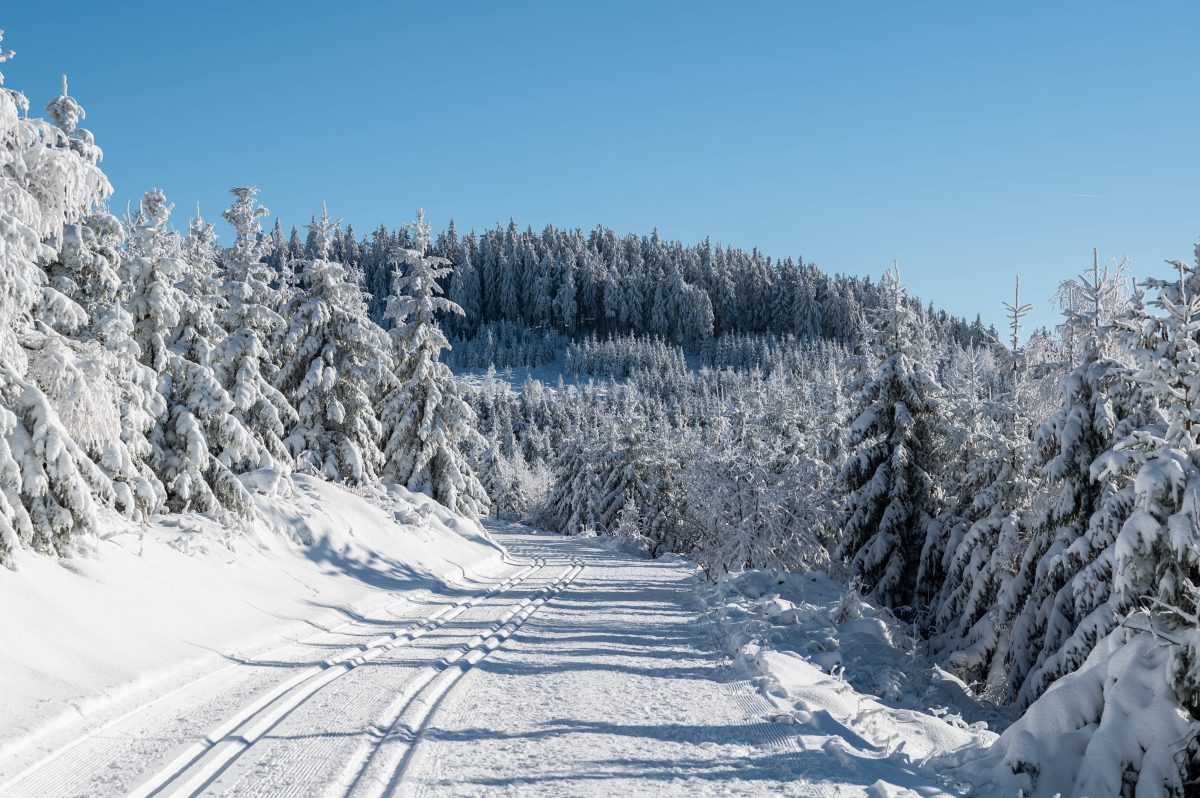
(602, 284)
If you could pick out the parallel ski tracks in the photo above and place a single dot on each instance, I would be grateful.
(52, 770)
(381, 770)
(379, 766)
(203, 762)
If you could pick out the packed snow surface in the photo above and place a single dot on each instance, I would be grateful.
(567, 666)
(158, 605)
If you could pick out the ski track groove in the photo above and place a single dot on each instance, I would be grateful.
(238, 732)
(382, 771)
(201, 699)
(744, 693)
(38, 775)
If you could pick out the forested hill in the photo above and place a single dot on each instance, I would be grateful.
(602, 283)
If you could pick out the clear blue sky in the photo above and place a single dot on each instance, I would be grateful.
(968, 142)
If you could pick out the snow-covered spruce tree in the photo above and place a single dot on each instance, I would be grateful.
(464, 292)
(244, 365)
(425, 420)
(1132, 707)
(1077, 301)
(981, 563)
(891, 461)
(1085, 500)
(970, 382)
(629, 521)
(507, 481)
(201, 281)
(336, 364)
(200, 447)
(491, 467)
(105, 397)
(569, 506)
(1157, 554)
(47, 480)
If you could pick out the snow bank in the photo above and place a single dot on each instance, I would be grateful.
(1115, 720)
(849, 674)
(149, 606)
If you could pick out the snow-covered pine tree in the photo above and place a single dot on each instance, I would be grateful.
(1087, 495)
(106, 398)
(426, 421)
(336, 365)
(1155, 559)
(1143, 583)
(566, 508)
(491, 468)
(201, 281)
(629, 520)
(892, 460)
(465, 292)
(566, 305)
(199, 446)
(47, 481)
(981, 564)
(244, 365)
(757, 495)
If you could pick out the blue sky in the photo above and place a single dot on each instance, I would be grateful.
(968, 142)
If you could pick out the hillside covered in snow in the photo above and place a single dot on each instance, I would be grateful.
(510, 512)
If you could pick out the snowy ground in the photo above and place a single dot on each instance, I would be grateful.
(850, 678)
(184, 603)
(566, 668)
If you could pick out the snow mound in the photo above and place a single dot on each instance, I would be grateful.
(844, 671)
(1113, 727)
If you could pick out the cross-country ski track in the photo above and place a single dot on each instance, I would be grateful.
(579, 670)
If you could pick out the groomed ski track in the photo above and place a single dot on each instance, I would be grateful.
(580, 670)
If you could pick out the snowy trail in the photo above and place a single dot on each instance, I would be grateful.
(614, 688)
(579, 671)
(159, 737)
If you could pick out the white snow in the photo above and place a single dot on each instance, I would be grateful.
(1093, 729)
(848, 677)
(152, 606)
(222, 663)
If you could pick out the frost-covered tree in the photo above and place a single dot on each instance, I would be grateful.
(47, 480)
(981, 560)
(891, 464)
(566, 306)
(1078, 300)
(244, 365)
(464, 292)
(757, 496)
(106, 398)
(569, 507)
(336, 363)
(1085, 499)
(200, 447)
(629, 524)
(201, 282)
(1134, 654)
(426, 422)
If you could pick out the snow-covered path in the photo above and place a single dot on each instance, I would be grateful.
(579, 671)
(613, 688)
